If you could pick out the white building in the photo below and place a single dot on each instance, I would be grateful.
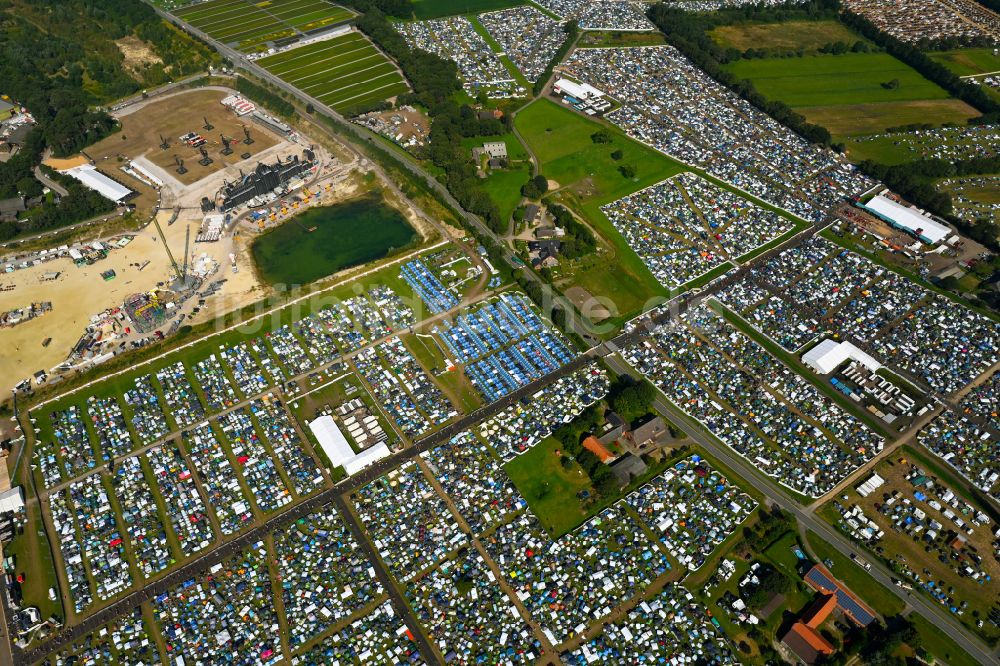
(97, 181)
(910, 220)
(825, 357)
(581, 91)
(339, 451)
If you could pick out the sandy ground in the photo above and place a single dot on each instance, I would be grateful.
(80, 293)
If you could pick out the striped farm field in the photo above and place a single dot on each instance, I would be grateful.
(249, 26)
(346, 73)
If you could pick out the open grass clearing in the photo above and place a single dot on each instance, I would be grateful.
(589, 177)
(806, 35)
(966, 62)
(860, 119)
(826, 80)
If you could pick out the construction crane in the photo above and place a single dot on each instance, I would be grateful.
(170, 255)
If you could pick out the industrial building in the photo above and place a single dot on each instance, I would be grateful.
(93, 179)
(911, 220)
(264, 179)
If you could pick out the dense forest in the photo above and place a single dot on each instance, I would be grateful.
(62, 59)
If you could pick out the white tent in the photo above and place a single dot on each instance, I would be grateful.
(827, 355)
(97, 181)
(338, 449)
(908, 219)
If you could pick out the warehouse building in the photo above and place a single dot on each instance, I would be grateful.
(911, 220)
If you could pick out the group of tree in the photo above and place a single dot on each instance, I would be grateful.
(772, 583)
(771, 524)
(535, 188)
(832, 48)
(688, 32)
(578, 240)
(570, 438)
(265, 97)
(631, 399)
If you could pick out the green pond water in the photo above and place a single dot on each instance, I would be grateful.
(346, 235)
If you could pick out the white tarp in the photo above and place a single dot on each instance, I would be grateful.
(97, 181)
(910, 219)
(339, 451)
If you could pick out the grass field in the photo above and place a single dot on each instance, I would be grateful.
(429, 9)
(611, 38)
(806, 35)
(852, 78)
(861, 119)
(845, 93)
(589, 178)
(345, 73)
(965, 62)
(550, 489)
(249, 26)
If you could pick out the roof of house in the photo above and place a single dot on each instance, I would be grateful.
(850, 605)
(806, 643)
(652, 429)
(627, 468)
(594, 445)
(816, 614)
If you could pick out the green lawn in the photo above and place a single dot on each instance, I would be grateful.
(874, 594)
(807, 35)
(589, 178)
(428, 9)
(852, 78)
(940, 645)
(965, 62)
(504, 187)
(549, 488)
